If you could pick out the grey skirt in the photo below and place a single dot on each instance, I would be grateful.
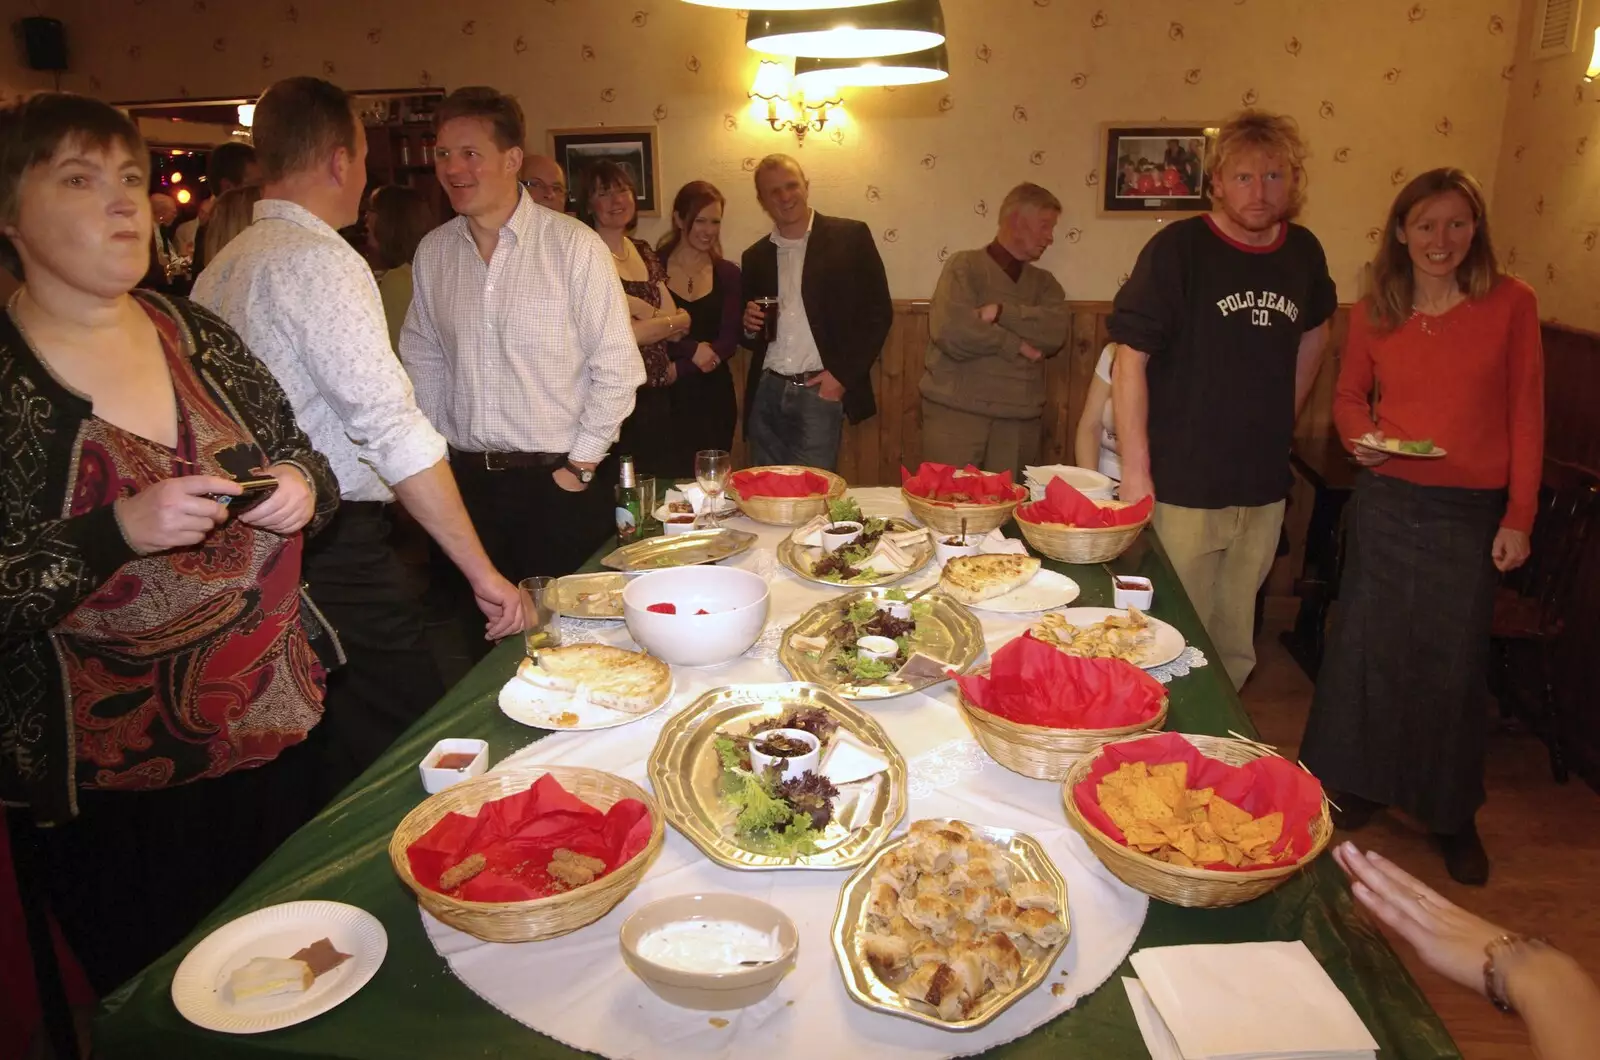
(1400, 712)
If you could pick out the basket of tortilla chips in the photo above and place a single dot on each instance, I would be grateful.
(1037, 710)
(941, 496)
(785, 494)
(525, 854)
(1200, 821)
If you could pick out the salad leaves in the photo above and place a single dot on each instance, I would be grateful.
(774, 817)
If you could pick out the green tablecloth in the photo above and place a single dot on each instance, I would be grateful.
(414, 1006)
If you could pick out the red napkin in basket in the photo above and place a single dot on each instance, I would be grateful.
(520, 833)
(777, 484)
(1033, 683)
(1063, 504)
(1259, 787)
(941, 482)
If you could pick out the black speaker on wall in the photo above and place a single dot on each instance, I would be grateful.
(44, 41)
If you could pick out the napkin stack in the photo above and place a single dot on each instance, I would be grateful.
(1246, 1001)
(857, 771)
(1090, 483)
(995, 543)
(1064, 505)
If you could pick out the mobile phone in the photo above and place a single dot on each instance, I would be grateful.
(256, 490)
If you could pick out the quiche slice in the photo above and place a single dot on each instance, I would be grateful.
(972, 579)
(629, 681)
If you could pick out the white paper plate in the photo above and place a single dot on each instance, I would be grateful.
(1433, 454)
(539, 707)
(199, 989)
(1045, 591)
(1168, 644)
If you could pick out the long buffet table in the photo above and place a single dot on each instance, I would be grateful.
(415, 1006)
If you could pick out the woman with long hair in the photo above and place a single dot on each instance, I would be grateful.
(608, 203)
(706, 285)
(232, 214)
(1446, 349)
(397, 219)
(160, 661)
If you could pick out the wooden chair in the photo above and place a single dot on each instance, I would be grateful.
(1531, 608)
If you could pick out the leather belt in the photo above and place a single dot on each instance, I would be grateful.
(798, 379)
(508, 461)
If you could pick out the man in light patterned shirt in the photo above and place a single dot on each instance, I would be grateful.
(306, 304)
(520, 347)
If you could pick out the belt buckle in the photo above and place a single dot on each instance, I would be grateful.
(491, 462)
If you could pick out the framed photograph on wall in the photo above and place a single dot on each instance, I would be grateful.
(631, 146)
(1155, 168)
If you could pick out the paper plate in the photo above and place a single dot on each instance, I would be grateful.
(1168, 645)
(1044, 591)
(542, 708)
(1433, 454)
(199, 989)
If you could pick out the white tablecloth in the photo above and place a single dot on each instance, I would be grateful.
(577, 989)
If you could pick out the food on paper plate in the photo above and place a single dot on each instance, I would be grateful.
(974, 579)
(1126, 637)
(270, 976)
(629, 681)
(950, 919)
(1161, 816)
(322, 956)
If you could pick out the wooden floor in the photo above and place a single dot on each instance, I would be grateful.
(1543, 840)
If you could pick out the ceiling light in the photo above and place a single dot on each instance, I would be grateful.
(918, 68)
(784, 5)
(893, 28)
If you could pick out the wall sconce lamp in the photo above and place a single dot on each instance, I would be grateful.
(787, 106)
(1594, 59)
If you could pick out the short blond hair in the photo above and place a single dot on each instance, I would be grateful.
(1273, 134)
(1028, 196)
(777, 161)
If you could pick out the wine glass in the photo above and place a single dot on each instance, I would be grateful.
(711, 467)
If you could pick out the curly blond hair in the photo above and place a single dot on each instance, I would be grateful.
(1277, 135)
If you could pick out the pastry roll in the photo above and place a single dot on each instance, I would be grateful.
(967, 964)
(930, 913)
(1035, 894)
(888, 955)
(930, 984)
(926, 951)
(1002, 915)
(1002, 961)
(882, 901)
(1042, 928)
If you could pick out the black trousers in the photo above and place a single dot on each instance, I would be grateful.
(134, 872)
(527, 523)
(390, 679)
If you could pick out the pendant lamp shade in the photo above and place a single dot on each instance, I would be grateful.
(895, 28)
(784, 5)
(917, 68)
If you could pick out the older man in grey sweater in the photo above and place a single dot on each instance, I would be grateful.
(995, 317)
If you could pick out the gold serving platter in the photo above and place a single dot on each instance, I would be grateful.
(680, 550)
(955, 636)
(863, 984)
(685, 773)
(604, 593)
(799, 558)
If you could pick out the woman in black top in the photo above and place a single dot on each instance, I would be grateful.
(704, 412)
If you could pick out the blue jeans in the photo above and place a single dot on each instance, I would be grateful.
(791, 424)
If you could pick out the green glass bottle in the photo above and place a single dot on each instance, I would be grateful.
(630, 515)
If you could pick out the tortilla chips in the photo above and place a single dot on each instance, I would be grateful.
(1161, 816)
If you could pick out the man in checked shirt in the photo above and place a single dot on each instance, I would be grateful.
(520, 347)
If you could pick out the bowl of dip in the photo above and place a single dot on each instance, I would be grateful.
(711, 952)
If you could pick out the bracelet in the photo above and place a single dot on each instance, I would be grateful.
(1494, 982)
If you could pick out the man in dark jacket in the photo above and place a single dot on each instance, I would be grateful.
(833, 315)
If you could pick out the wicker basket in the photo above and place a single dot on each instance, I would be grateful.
(1195, 888)
(1038, 751)
(540, 918)
(1081, 544)
(792, 511)
(946, 516)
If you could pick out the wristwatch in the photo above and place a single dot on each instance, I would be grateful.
(584, 475)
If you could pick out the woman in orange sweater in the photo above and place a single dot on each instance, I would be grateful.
(1445, 349)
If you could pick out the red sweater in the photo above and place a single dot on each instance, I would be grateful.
(1471, 379)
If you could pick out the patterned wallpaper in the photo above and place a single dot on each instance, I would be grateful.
(1382, 88)
(1546, 208)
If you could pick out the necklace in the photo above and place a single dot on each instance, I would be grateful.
(624, 255)
(1431, 323)
(676, 263)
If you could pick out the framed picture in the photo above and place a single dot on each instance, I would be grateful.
(631, 146)
(1157, 168)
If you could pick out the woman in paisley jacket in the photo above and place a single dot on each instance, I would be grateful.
(157, 649)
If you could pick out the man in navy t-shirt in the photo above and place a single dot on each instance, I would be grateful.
(1222, 327)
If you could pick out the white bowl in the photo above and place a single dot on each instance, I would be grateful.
(668, 527)
(832, 540)
(704, 990)
(1141, 597)
(788, 768)
(944, 553)
(874, 647)
(736, 599)
(435, 780)
(898, 609)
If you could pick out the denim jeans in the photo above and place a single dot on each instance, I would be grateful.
(790, 424)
